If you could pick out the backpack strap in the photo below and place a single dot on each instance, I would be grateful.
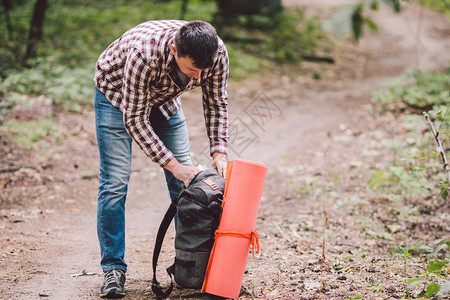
(168, 217)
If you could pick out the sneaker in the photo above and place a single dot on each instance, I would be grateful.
(114, 285)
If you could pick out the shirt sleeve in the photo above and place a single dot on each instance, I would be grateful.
(215, 105)
(136, 78)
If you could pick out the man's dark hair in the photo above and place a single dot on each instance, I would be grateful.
(197, 40)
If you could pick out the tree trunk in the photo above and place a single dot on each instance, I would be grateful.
(7, 7)
(183, 9)
(36, 26)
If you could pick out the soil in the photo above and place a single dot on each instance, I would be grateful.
(321, 140)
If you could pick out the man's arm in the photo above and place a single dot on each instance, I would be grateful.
(215, 108)
(137, 75)
(135, 87)
(181, 172)
(220, 162)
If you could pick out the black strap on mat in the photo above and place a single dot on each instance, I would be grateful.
(156, 288)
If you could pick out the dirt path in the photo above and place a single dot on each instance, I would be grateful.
(308, 133)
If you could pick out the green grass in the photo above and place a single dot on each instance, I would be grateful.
(442, 6)
(27, 133)
(416, 169)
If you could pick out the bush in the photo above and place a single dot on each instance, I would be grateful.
(442, 6)
(69, 88)
(284, 38)
(295, 36)
(416, 169)
(77, 31)
(418, 89)
(30, 132)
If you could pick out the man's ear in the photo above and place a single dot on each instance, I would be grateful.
(174, 49)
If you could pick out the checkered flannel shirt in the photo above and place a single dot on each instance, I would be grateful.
(136, 73)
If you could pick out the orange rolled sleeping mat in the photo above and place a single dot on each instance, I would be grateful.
(235, 234)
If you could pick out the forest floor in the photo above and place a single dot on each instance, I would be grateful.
(321, 140)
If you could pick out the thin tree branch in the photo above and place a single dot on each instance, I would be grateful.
(440, 147)
(325, 225)
(443, 118)
(14, 169)
(282, 232)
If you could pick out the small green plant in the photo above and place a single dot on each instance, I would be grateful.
(354, 297)
(376, 288)
(442, 6)
(352, 18)
(433, 280)
(28, 133)
(415, 169)
(294, 36)
(399, 182)
(417, 89)
(287, 37)
(69, 88)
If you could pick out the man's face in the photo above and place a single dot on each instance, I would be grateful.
(186, 65)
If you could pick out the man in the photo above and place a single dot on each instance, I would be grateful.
(138, 80)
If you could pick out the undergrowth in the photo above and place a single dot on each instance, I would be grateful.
(415, 168)
(415, 177)
(76, 32)
(442, 6)
(434, 262)
(28, 133)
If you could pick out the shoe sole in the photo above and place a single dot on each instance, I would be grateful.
(113, 295)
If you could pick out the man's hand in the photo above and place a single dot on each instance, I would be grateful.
(181, 172)
(220, 161)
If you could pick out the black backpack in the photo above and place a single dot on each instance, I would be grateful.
(198, 209)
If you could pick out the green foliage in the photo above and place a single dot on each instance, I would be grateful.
(75, 34)
(13, 44)
(229, 10)
(418, 89)
(284, 38)
(442, 6)
(394, 4)
(354, 297)
(295, 36)
(434, 259)
(357, 20)
(415, 168)
(352, 18)
(405, 177)
(436, 265)
(28, 133)
(243, 64)
(434, 280)
(82, 33)
(77, 31)
(68, 87)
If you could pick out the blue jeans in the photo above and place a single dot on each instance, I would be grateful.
(114, 145)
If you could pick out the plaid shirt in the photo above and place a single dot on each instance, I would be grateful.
(136, 72)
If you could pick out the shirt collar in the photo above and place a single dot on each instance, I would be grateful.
(170, 62)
